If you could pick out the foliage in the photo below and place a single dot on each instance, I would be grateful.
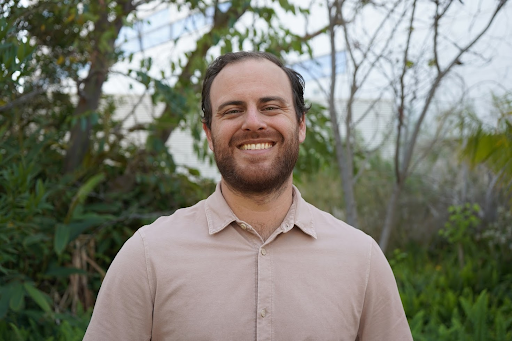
(375, 176)
(491, 144)
(59, 232)
(461, 220)
(317, 151)
(445, 301)
(499, 232)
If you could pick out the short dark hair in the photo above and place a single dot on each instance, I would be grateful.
(296, 81)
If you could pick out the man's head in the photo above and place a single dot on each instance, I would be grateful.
(296, 81)
(253, 125)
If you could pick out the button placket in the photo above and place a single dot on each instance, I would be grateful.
(264, 306)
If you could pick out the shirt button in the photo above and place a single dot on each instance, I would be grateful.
(263, 313)
(243, 226)
(263, 252)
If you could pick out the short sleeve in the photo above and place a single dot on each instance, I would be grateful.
(124, 307)
(383, 317)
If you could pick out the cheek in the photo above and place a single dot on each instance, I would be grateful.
(226, 133)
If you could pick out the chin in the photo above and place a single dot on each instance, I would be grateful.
(256, 182)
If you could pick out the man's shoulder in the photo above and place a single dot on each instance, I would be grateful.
(182, 219)
(328, 226)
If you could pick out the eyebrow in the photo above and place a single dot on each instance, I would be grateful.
(272, 98)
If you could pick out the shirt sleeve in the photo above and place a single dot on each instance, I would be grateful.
(124, 307)
(383, 317)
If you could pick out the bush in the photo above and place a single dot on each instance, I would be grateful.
(447, 297)
(59, 232)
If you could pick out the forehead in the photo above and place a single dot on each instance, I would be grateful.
(248, 79)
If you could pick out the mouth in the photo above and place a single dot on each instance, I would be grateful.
(256, 146)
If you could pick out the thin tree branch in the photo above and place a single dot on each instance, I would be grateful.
(401, 106)
(22, 99)
(435, 85)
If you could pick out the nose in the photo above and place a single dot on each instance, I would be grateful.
(254, 120)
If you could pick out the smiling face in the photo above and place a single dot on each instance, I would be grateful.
(254, 132)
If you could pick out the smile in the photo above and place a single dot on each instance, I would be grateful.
(256, 146)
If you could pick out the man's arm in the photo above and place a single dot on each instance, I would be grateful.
(124, 307)
(383, 317)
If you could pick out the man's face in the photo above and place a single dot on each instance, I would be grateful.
(254, 133)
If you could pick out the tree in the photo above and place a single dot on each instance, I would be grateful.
(400, 51)
(365, 51)
(442, 66)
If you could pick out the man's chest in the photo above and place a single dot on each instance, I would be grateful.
(246, 292)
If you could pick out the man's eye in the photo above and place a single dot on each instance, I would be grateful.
(270, 108)
(232, 111)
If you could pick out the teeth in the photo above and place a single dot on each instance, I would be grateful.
(256, 146)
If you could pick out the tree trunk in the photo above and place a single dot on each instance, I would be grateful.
(344, 155)
(390, 216)
(88, 102)
(89, 96)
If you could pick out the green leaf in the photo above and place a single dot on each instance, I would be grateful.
(61, 238)
(17, 332)
(78, 227)
(87, 188)
(17, 297)
(38, 296)
(193, 171)
(34, 238)
(83, 192)
(5, 294)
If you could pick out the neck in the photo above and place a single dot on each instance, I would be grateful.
(264, 212)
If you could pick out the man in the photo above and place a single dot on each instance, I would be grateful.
(254, 261)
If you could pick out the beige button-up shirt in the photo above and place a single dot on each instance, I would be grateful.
(203, 274)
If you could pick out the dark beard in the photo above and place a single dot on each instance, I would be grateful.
(262, 184)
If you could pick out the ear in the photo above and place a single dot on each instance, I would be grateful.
(208, 136)
(302, 129)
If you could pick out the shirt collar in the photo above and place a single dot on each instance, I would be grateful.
(219, 214)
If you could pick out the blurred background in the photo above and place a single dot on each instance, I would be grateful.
(409, 139)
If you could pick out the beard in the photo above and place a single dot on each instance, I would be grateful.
(253, 179)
